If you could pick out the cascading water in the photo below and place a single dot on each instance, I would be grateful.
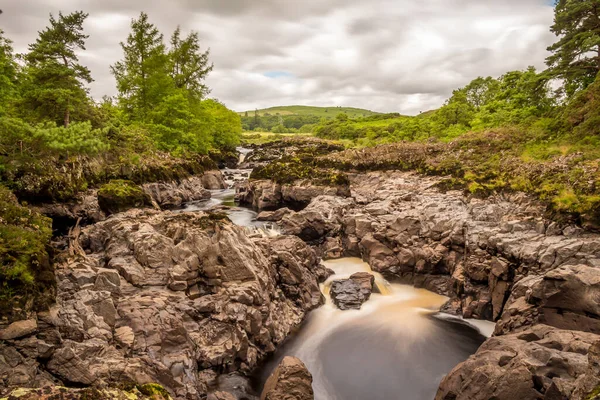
(241, 216)
(394, 347)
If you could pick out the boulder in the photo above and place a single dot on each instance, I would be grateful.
(291, 380)
(350, 294)
(539, 363)
(18, 329)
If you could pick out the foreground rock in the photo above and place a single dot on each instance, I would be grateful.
(139, 392)
(290, 381)
(170, 298)
(351, 293)
(538, 363)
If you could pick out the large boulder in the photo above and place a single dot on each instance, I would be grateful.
(120, 195)
(171, 195)
(539, 363)
(291, 380)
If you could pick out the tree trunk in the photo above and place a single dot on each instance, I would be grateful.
(67, 117)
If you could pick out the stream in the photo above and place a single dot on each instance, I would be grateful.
(397, 346)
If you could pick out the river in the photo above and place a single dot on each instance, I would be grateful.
(397, 346)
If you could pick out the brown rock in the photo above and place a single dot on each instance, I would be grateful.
(290, 381)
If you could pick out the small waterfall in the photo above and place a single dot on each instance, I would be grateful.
(243, 153)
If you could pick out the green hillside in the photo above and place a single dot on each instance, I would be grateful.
(321, 112)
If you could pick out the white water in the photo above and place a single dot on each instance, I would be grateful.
(392, 348)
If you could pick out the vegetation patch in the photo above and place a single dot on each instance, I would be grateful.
(121, 195)
(26, 275)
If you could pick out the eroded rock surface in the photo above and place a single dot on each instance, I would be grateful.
(171, 298)
(290, 381)
(351, 293)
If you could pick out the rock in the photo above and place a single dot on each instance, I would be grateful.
(366, 282)
(350, 294)
(273, 216)
(290, 381)
(63, 393)
(539, 363)
(213, 180)
(565, 297)
(120, 195)
(118, 320)
(18, 329)
(172, 195)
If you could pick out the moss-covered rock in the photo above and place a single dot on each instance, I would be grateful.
(120, 195)
(26, 275)
(290, 169)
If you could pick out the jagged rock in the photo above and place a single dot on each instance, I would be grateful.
(267, 195)
(290, 381)
(539, 363)
(351, 293)
(565, 297)
(171, 195)
(118, 318)
(18, 329)
(273, 216)
(63, 393)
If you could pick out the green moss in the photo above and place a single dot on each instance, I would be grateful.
(594, 394)
(153, 389)
(120, 195)
(25, 272)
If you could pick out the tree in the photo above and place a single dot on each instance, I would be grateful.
(54, 76)
(143, 75)
(8, 73)
(189, 65)
(576, 55)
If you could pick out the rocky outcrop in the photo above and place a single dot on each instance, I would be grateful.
(469, 249)
(539, 363)
(172, 195)
(291, 380)
(351, 293)
(170, 298)
(267, 195)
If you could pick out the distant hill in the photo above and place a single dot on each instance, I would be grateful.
(321, 112)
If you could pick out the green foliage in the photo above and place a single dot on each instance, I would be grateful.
(120, 195)
(24, 236)
(77, 138)
(54, 80)
(143, 75)
(576, 54)
(8, 74)
(189, 65)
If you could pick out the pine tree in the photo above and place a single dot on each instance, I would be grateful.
(189, 65)
(576, 55)
(55, 78)
(8, 73)
(143, 75)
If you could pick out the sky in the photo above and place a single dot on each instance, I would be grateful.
(384, 55)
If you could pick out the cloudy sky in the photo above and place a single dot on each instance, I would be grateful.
(385, 55)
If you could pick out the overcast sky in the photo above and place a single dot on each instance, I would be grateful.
(385, 55)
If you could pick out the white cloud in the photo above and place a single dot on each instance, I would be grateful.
(384, 55)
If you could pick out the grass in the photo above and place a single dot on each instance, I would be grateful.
(258, 138)
(324, 112)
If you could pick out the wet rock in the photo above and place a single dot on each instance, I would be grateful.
(273, 216)
(213, 180)
(539, 363)
(350, 294)
(291, 380)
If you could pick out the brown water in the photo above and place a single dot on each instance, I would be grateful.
(395, 347)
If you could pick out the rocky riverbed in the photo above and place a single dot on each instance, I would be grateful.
(178, 296)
